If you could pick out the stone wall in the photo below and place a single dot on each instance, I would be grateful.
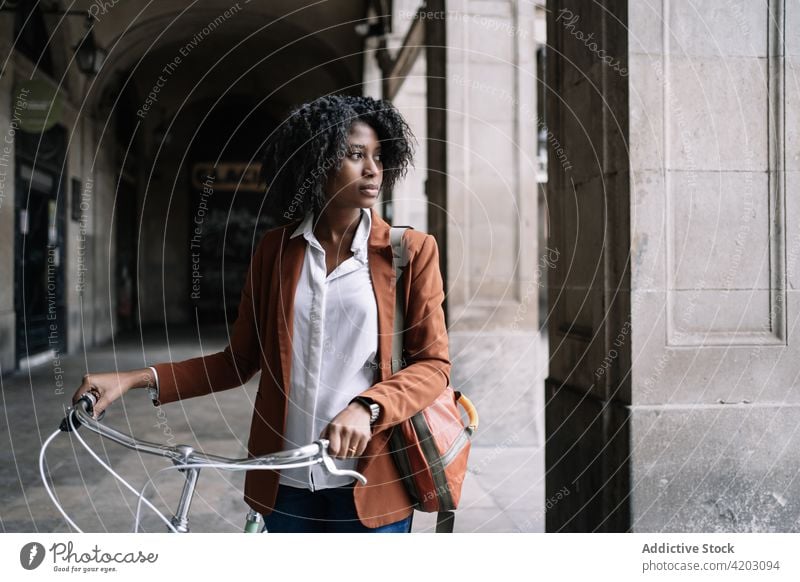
(673, 386)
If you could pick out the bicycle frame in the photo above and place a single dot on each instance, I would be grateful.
(188, 461)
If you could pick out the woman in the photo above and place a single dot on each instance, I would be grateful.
(316, 317)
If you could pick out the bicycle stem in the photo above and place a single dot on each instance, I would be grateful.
(181, 518)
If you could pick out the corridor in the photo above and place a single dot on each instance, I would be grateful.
(504, 491)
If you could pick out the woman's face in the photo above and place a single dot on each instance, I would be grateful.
(357, 183)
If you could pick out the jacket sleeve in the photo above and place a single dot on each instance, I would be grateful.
(231, 367)
(425, 345)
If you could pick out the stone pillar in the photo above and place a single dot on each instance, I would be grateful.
(409, 202)
(672, 400)
(492, 258)
(409, 197)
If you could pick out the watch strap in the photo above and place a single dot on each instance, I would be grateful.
(374, 407)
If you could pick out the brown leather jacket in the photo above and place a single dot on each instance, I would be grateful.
(261, 341)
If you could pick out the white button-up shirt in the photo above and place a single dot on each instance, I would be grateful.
(334, 347)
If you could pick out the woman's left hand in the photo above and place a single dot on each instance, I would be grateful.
(349, 432)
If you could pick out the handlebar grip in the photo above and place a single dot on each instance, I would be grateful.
(88, 402)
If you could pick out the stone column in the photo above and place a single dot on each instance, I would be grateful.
(409, 203)
(492, 257)
(672, 397)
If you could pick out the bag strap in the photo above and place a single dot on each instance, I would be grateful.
(400, 261)
(445, 520)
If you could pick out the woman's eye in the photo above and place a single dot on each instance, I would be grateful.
(360, 155)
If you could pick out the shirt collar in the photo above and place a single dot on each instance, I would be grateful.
(359, 246)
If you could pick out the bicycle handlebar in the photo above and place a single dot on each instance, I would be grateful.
(82, 414)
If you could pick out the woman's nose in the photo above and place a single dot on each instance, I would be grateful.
(371, 167)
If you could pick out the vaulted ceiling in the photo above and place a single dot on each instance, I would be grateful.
(278, 50)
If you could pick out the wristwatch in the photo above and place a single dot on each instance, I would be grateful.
(154, 390)
(374, 407)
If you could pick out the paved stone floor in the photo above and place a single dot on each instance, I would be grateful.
(503, 492)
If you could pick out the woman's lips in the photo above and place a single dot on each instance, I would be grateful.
(370, 191)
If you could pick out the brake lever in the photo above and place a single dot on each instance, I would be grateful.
(331, 466)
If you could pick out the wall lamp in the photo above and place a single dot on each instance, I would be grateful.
(89, 56)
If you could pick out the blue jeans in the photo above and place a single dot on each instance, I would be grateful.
(327, 510)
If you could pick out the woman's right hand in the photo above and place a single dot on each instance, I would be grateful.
(107, 387)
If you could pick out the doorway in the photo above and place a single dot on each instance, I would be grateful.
(39, 297)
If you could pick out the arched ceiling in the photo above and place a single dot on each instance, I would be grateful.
(291, 50)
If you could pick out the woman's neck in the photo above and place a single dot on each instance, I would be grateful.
(336, 224)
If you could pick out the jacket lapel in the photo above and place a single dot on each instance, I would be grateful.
(379, 253)
(383, 283)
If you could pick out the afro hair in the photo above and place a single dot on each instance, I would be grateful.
(312, 142)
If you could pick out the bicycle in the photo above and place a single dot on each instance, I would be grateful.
(186, 460)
